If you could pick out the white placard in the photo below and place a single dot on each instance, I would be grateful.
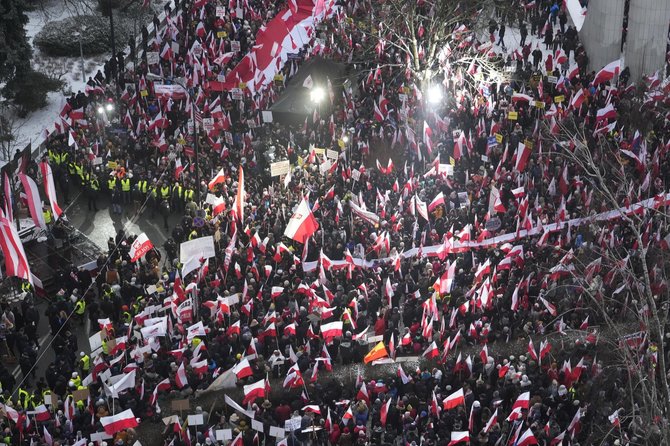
(356, 174)
(99, 437)
(97, 161)
(202, 247)
(224, 434)
(95, 341)
(208, 124)
(236, 94)
(195, 420)
(175, 48)
(332, 154)
(152, 57)
(211, 199)
(151, 289)
(279, 168)
(47, 400)
(257, 426)
(235, 46)
(292, 424)
(277, 432)
(267, 116)
(372, 339)
(325, 166)
(220, 11)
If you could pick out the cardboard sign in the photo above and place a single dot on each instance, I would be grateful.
(220, 11)
(180, 405)
(332, 154)
(153, 57)
(256, 425)
(111, 165)
(279, 168)
(144, 93)
(539, 104)
(235, 46)
(513, 116)
(80, 395)
(221, 35)
(201, 248)
(267, 116)
(559, 99)
(499, 138)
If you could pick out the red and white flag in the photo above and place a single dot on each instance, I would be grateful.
(527, 439)
(302, 224)
(119, 422)
(332, 330)
(438, 200)
(254, 391)
(180, 377)
(42, 413)
(383, 414)
(492, 421)
(521, 402)
(50, 188)
(522, 154)
(238, 205)
(608, 72)
(459, 437)
(34, 201)
(140, 246)
(16, 262)
(454, 400)
(220, 178)
(243, 369)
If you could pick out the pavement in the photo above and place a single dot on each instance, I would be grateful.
(97, 228)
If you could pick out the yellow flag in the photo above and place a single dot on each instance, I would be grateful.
(377, 352)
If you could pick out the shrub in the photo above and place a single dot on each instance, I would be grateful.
(28, 92)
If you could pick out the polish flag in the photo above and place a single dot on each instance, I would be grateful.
(522, 154)
(459, 437)
(573, 71)
(254, 391)
(608, 72)
(218, 206)
(608, 112)
(50, 188)
(454, 400)
(140, 246)
(551, 308)
(180, 377)
(34, 202)
(42, 413)
(238, 205)
(427, 134)
(517, 97)
(432, 351)
(492, 421)
(302, 224)
(332, 330)
(527, 439)
(119, 422)
(577, 99)
(438, 200)
(242, 369)
(220, 178)
(521, 402)
(383, 414)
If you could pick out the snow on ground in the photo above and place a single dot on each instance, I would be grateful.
(29, 129)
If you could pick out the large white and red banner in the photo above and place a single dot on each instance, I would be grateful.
(16, 262)
(457, 246)
(286, 33)
(34, 201)
(50, 188)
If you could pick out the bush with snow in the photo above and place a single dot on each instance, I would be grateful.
(59, 38)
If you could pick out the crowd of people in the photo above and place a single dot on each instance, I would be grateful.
(405, 262)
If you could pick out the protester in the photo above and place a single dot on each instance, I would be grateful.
(405, 250)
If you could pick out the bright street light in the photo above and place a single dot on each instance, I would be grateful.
(317, 94)
(434, 94)
(101, 110)
(109, 107)
(345, 138)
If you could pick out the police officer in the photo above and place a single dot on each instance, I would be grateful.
(178, 197)
(141, 189)
(165, 210)
(92, 188)
(126, 188)
(84, 363)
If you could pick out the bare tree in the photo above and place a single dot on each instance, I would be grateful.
(428, 38)
(623, 272)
